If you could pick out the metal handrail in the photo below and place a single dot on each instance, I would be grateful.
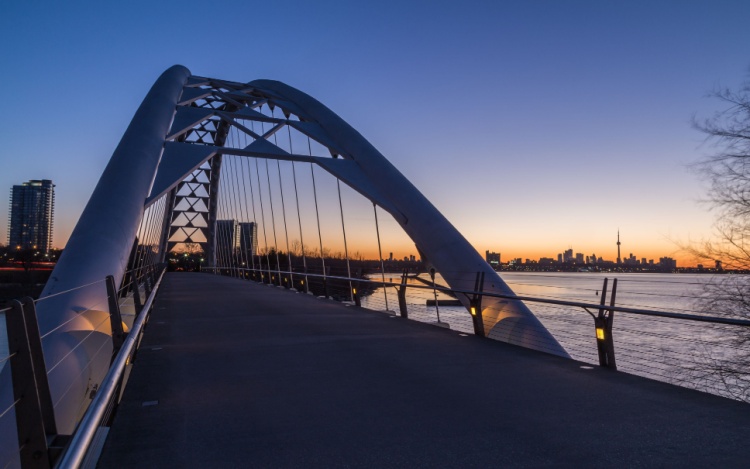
(84, 435)
(67, 291)
(584, 305)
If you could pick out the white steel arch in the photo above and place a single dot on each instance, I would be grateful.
(173, 148)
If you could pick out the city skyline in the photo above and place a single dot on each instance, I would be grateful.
(584, 256)
(529, 126)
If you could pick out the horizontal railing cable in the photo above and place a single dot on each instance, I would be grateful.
(579, 304)
(68, 291)
(77, 316)
(81, 440)
(73, 349)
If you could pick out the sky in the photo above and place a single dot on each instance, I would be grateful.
(534, 126)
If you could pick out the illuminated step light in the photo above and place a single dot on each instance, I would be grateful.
(599, 333)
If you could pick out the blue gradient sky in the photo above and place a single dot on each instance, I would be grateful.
(534, 125)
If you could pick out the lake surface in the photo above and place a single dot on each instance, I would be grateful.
(675, 351)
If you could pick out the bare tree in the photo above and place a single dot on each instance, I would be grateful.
(727, 170)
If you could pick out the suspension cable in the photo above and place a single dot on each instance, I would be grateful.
(299, 218)
(232, 212)
(380, 255)
(263, 216)
(219, 231)
(270, 197)
(346, 249)
(260, 195)
(286, 232)
(283, 212)
(255, 219)
(235, 212)
(159, 230)
(244, 237)
(238, 231)
(226, 244)
(144, 233)
(317, 214)
(273, 221)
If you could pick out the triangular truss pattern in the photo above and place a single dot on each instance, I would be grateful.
(206, 113)
(190, 212)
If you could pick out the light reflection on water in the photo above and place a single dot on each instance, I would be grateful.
(669, 350)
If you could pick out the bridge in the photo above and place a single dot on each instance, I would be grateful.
(219, 367)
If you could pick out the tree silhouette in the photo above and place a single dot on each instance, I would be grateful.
(727, 170)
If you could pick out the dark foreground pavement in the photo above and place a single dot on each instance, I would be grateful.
(252, 376)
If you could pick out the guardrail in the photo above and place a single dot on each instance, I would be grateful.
(31, 409)
(104, 401)
(698, 351)
(646, 351)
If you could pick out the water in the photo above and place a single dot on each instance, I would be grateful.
(669, 350)
(675, 351)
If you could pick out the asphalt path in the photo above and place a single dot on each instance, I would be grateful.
(235, 374)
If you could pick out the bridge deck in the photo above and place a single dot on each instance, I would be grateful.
(252, 376)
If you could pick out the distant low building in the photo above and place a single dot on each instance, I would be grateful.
(492, 258)
(667, 263)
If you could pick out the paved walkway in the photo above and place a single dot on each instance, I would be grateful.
(235, 374)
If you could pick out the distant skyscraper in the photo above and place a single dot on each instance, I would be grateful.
(32, 209)
(619, 259)
(227, 237)
(249, 238)
(568, 255)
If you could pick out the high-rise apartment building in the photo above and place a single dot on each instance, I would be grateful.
(249, 238)
(32, 210)
(227, 237)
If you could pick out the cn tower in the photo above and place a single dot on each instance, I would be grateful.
(619, 259)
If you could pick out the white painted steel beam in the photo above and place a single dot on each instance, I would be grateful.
(435, 237)
(100, 245)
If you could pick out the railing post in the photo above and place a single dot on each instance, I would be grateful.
(402, 295)
(137, 296)
(326, 273)
(603, 322)
(31, 423)
(147, 281)
(476, 305)
(355, 294)
(115, 318)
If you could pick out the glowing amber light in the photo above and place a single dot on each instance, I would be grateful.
(354, 290)
(599, 333)
(473, 311)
